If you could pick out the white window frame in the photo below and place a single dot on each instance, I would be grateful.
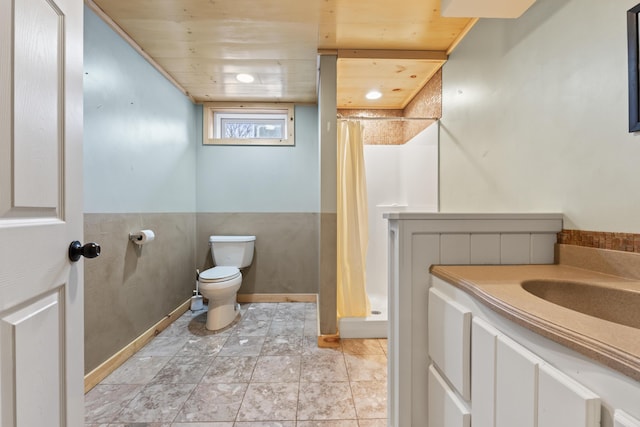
(214, 111)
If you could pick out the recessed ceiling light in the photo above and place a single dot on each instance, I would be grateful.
(245, 78)
(374, 94)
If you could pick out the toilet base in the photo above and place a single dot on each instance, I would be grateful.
(221, 313)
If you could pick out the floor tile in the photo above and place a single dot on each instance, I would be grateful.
(362, 346)
(183, 370)
(310, 328)
(139, 425)
(331, 423)
(372, 423)
(164, 346)
(370, 398)
(256, 312)
(156, 402)
(277, 369)
(310, 346)
(323, 367)
(203, 346)
(269, 401)
(197, 326)
(293, 327)
(242, 346)
(263, 370)
(366, 367)
(252, 328)
(137, 370)
(212, 424)
(213, 402)
(105, 401)
(384, 343)
(265, 424)
(230, 370)
(325, 401)
(282, 345)
(288, 310)
(179, 327)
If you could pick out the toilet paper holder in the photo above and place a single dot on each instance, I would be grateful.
(135, 237)
(142, 237)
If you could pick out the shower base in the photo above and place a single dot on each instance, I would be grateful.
(372, 326)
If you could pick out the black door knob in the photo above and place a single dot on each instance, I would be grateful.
(89, 250)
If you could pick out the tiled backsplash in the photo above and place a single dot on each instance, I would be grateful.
(628, 242)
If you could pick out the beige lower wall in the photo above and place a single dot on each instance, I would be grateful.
(129, 288)
(327, 304)
(286, 249)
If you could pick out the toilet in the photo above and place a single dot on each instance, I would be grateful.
(220, 283)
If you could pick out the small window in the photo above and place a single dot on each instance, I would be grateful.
(254, 124)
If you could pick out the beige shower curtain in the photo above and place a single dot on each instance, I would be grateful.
(353, 228)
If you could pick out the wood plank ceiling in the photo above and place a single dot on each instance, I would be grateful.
(391, 46)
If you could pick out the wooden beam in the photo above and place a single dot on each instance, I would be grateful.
(329, 341)
(333, 52)
(434, 55)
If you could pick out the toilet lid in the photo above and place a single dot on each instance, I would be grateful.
(219, 274)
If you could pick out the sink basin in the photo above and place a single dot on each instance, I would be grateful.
(616, 305)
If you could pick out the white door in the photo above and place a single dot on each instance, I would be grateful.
(41, 291)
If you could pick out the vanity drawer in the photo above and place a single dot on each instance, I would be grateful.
(622, 419)
(562, 402)
(450, 340)
(516, 384)
(445, 407)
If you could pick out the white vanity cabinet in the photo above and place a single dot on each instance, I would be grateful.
(450, 340)
(622, 419)
(510, 385)
(563, 402)
(483, 377)
(445, 407)
(516, 384)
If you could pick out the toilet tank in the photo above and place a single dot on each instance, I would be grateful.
(232, 251)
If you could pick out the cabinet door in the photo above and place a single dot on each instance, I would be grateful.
(622, 419)
(450, 340)
(516, 384)
(483, 373)
(445, 408)
(563, 402)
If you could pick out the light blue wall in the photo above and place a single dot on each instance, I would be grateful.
(139, 131)
(143, 147)
(262, 179)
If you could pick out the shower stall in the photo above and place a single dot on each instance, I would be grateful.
(400, 178)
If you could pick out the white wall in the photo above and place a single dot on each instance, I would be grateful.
(262, 179)
(405, 175)
(535, 117)
(419, 170)
(139, 131)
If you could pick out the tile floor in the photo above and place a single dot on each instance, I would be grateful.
(264, 371)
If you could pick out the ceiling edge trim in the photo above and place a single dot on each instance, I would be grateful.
(122, 33)
(462, 35)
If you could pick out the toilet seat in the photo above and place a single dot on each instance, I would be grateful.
(219, 274)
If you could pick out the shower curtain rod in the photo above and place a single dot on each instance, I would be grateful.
(400, 119)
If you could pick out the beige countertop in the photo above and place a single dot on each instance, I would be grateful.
(499, 287)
